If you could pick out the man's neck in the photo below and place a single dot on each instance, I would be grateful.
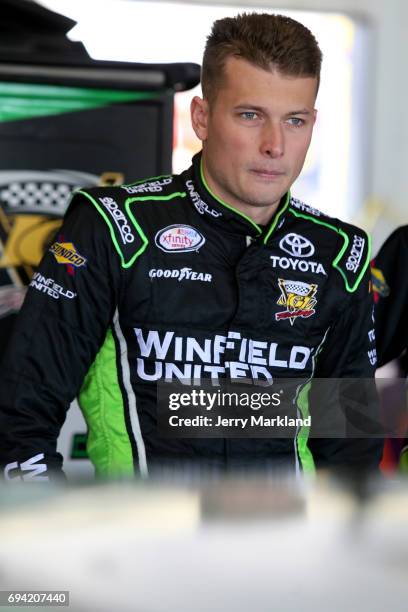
(261, 215)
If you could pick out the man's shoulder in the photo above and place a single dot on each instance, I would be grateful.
(304, 210)
(127, 208)
(163, 185)
(389, 265)
(352, 245)
(397, 240)
(114, 201)
(154, 188)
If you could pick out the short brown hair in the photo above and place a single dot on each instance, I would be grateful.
(268, 41)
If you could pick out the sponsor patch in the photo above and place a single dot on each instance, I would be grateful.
(302, 265)
(149, 186)
(380, 287)
(180, 275)
(296, 245)
(201, 206)
(353, 260)
(305, 207)
(372, 356)
(66, 254)
(50, 287)
(177, 238)
(32, 204)
(28, 470)
(298, 297)
(166, 355)
(119, 218)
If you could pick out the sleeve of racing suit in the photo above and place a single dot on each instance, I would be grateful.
(392, 298)
(349, 401)
(60, 328)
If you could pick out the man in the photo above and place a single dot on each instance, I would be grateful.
(216, 273)
(390, 285)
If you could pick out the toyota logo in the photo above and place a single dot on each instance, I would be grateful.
(297, 245)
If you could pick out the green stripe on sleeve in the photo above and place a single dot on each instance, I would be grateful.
(305, 454)
(102, 404)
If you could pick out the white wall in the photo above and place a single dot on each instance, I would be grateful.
(387, 154)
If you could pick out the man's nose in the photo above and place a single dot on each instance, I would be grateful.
(272, 143)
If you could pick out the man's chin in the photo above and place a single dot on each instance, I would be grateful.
(265, 195)
(262, 200)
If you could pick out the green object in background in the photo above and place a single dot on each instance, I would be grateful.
(78, 448)
(24, 100)
(403, 462)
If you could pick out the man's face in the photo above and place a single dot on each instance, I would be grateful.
(255, 133)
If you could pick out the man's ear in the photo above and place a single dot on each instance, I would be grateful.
(199, 117)
(314, 115)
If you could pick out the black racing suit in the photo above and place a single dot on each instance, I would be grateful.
(390, 284)
(161, 279)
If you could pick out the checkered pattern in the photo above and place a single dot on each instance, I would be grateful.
(298, 288)
(30, 194)
(40, 192)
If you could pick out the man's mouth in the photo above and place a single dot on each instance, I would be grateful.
(268, 174)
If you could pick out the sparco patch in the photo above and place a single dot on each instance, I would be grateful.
(119, 219)
(176, 238)
(298, 298)
(354, 259)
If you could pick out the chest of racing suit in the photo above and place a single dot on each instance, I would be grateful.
(162, 280)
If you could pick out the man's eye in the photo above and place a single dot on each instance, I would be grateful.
(296, 121)
(249, 115)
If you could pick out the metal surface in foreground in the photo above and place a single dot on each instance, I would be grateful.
(235, 544)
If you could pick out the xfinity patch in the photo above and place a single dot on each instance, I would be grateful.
(179, 238)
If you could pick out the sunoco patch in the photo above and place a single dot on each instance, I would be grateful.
(66, 254)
